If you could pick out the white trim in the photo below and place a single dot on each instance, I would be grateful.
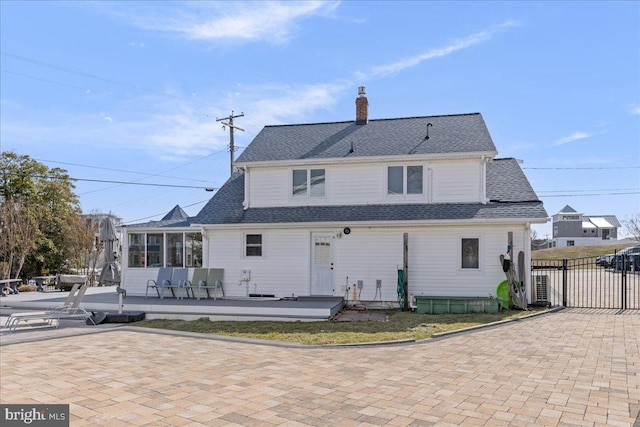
(419, 197)
(262, 244)
(416, 223)
(481, 253)
(307, 196)
(476, 155)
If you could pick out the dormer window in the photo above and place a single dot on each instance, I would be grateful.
(403, 180)
(308, 183)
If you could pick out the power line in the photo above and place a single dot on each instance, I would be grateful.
(164, 213)
(592, 194)
(85, 90)
(113, 182)
(126, 171)
(104, 79)
(587, 168)
(583, 191)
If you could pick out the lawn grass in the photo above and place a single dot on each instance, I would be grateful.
(400, 326)
(574, 252)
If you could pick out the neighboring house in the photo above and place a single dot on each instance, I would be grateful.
(313, 209)
(571, 228)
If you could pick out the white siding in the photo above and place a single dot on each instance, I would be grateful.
(283, 270)
(269, 187)
(367, 254)
(458, 182)
(444, 181)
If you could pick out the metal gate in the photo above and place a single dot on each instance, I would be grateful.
(583, 283)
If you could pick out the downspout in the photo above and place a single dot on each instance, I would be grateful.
(124, 255)
(205, 247)
(245, 203)
(527, 261)
(483, 179)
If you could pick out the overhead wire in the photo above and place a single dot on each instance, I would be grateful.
(104, 79)
(164, 213)
(113, 181)
(127, 171)
(582, 168)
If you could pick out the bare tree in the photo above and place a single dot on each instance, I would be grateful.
(19, 229)
(632, 226)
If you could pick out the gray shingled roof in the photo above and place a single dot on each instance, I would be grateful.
(171, 223)
(508, 188)
(567, 209)
(176, 213)
(461, 133)
(507, 183)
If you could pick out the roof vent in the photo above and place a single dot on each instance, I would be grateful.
(362, 107)
(428, 126)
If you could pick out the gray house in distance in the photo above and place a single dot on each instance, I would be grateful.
(571, 228)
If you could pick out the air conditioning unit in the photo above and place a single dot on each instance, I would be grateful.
(541, 288)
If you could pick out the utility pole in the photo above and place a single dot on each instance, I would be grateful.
(232, 147)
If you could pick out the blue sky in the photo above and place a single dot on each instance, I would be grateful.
(130, 91)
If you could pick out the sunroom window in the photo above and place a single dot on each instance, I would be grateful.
(164, 250)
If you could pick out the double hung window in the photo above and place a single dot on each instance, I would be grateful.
(405, 180)
(308, 183)
(253, 245)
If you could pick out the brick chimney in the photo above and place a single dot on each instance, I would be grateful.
(362, 107)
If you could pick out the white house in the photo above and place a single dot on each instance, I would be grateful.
(313, 209)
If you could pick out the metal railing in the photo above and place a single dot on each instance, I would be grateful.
(582, 283)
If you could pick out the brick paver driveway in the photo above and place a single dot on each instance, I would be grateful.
(565, 368)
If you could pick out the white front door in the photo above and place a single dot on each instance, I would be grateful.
(321, 264)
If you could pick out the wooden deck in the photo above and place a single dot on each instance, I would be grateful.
(105, 299)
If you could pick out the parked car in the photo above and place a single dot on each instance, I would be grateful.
(631, 256)
(605, 261)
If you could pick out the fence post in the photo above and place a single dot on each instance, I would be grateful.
(623, 278)
(564, 282)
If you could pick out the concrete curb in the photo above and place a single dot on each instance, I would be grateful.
(492, 324)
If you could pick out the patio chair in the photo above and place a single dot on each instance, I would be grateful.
(199, 279)
(164, 275)
(72, 311)
(178, 282)
(65, 304)
(214, 281)
(168, 278)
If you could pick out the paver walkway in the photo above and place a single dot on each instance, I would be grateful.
(565, 368)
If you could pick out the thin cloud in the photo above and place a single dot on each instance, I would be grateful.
(281, 103)
(243, 21)
(573, 137)
(634, 109)
(453, 46)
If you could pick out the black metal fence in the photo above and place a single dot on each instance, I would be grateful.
(584, 283)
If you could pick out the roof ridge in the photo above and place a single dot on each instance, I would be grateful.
(373, 120)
